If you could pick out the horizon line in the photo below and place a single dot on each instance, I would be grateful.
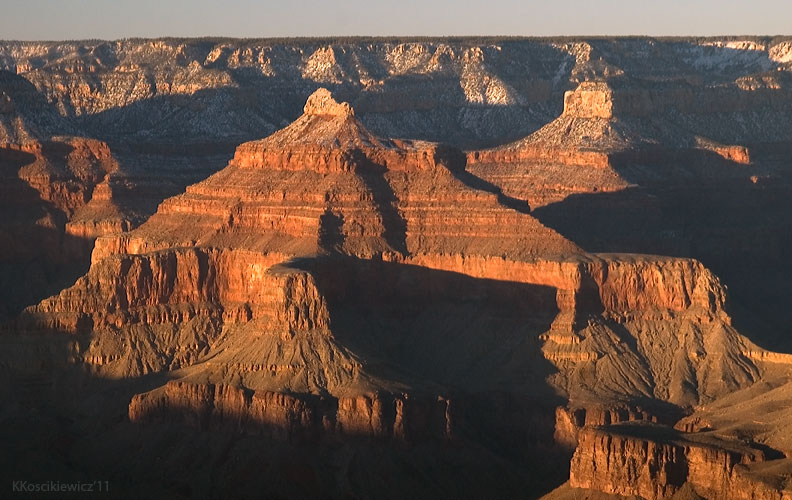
(402, 37)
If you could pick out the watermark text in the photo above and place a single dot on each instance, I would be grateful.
(60, 486)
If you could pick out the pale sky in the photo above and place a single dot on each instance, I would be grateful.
(112, 19)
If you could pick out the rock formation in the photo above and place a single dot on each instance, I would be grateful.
(48, 182)
(345, 299)
(469, 92)
(260, 290)
(326, 186)
(619, 461)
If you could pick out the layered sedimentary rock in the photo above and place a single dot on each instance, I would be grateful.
(603, 118)
(46, 179)
(610, 127)
(642, 461)
(325, 183)
(662, 315)
(572, 419)
(470, 92)
(295, 417)
(200, 279)
(100, 216)
(207, 260)
(649, 167)
(63, 169)
(66, 170)
(728, 94)
(328, 277)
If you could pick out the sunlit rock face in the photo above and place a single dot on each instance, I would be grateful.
(345, 261)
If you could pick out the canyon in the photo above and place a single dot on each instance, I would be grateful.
(370, 268)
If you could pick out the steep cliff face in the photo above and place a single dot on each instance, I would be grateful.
(46, 179)
(294, 417)
(572, 419)
(325, 185)
(640, 461)
(123, 284)
(684, 352)
(330, 283)
(66, 170)
(166, 309)
(663, 316)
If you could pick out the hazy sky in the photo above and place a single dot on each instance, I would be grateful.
(111, 19)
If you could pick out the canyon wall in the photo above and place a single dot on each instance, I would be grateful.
(471, 92)
(206, 265)
(328, 284)
(298, 417)
(47, 178)
(652, 467)
(609, 100)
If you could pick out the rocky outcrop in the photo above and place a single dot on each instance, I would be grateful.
(67, 169)
(330, 283)
(46, 178)
(64, 169)
(608, 100)
(616, 284)
(641, 468)
(296, 417)
(571, 420)
(616, 461)
(101, 216)
(322, 103)
(609, 125)
(628, 304)
(156, 287)
(589, 100)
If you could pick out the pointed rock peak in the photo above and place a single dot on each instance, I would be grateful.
(322, 103)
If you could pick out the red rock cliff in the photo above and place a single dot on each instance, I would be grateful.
(656, 468)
